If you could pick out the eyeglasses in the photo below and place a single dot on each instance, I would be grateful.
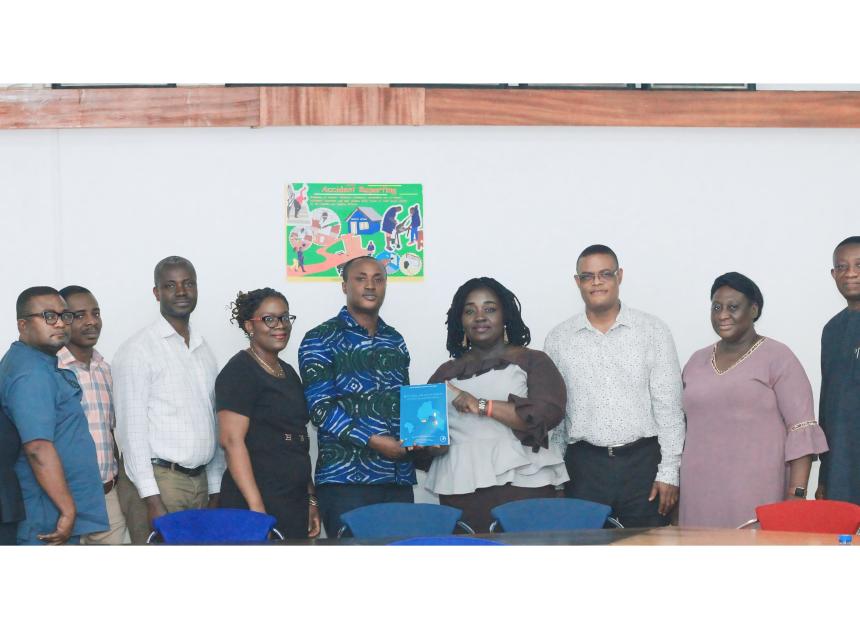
(601, 275)
(51, 317)
(842, 269)
(272, 321)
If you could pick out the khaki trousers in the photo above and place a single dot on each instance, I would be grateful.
(178, 493)
(116, 533)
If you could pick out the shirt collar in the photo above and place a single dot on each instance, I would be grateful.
(624, 318)
(34, 351)
(65, 357)
(346, 320)
(166, 330)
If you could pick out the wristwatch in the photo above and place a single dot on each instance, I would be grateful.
(800, 492)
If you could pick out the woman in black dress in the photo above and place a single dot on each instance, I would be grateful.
(263, 418)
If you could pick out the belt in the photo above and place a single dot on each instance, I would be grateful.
(109, 485)
(295, 437)
(196, 471)
(620, 449)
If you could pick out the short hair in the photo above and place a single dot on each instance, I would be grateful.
(171, 261)
(245, 305)
(596, 249)
(73, 289)
(518, 332)
(21, 304)
(348, 265)
(739, 282)
(847, 241)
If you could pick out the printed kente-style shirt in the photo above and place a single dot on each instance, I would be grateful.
(352, 385)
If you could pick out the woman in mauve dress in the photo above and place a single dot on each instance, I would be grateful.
(502, 401)
(751, 428)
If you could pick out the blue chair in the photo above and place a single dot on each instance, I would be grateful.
(213, 526)
(445, 541)
(390, 519)
(551, 514)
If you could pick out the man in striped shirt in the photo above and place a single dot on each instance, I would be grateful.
(94, 377)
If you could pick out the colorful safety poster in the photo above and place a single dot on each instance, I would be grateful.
(330, 223)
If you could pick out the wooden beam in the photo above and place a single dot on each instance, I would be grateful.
(384, 106)
(637, 108)
(373, 106)
(106, 108)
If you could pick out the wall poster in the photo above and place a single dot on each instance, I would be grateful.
(330, 223)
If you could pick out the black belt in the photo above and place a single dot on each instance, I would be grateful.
(109, 485)
(196, 471)
(621, 449)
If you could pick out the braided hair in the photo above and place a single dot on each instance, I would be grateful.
(518, 332)
(245, 305)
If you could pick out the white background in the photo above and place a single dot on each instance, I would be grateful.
(680, 206)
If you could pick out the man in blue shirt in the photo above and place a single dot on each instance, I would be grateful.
(353, 366)
(57, 468)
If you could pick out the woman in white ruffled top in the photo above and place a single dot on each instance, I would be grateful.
(503, 399)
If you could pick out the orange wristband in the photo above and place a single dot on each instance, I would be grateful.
(489, 408)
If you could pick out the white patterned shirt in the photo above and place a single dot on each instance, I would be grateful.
(165, 405)
(621, 386)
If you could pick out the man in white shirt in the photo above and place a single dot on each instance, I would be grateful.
(624, 428)
(164, 385)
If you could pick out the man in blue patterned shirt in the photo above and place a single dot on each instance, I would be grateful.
(353, 366)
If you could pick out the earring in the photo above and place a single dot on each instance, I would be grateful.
(250, 334)
(505, 335)
(465, 342)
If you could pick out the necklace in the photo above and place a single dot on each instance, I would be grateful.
(278, 374)
(749, 352)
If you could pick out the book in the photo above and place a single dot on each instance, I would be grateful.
(424, 415)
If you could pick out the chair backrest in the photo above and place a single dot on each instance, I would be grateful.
(213, 526)
(550, 514)
(405, 519)
(810, 516)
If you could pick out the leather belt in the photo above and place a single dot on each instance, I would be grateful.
(620, 449)
(196, 471)
(109, 485)
(295, 437)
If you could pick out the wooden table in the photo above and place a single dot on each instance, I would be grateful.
(661, 536)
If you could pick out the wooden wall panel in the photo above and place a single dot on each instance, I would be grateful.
(380, 106)
(374, 106)
(636, 108)
(106, 108)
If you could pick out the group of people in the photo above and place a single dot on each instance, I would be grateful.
(604, 413)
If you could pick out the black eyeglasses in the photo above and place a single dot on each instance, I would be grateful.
(272, 321)
(51, 317)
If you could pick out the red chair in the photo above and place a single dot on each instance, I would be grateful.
(810, 516)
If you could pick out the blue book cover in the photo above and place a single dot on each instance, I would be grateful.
(423, 415)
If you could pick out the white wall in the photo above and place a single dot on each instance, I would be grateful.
(680, 206)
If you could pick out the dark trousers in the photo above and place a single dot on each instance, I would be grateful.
(622, 481)
(476, 506)
(8, 532)
(336, 499)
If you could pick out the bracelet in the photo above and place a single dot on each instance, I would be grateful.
(489, 408)
(482, 407)
(312, 500)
